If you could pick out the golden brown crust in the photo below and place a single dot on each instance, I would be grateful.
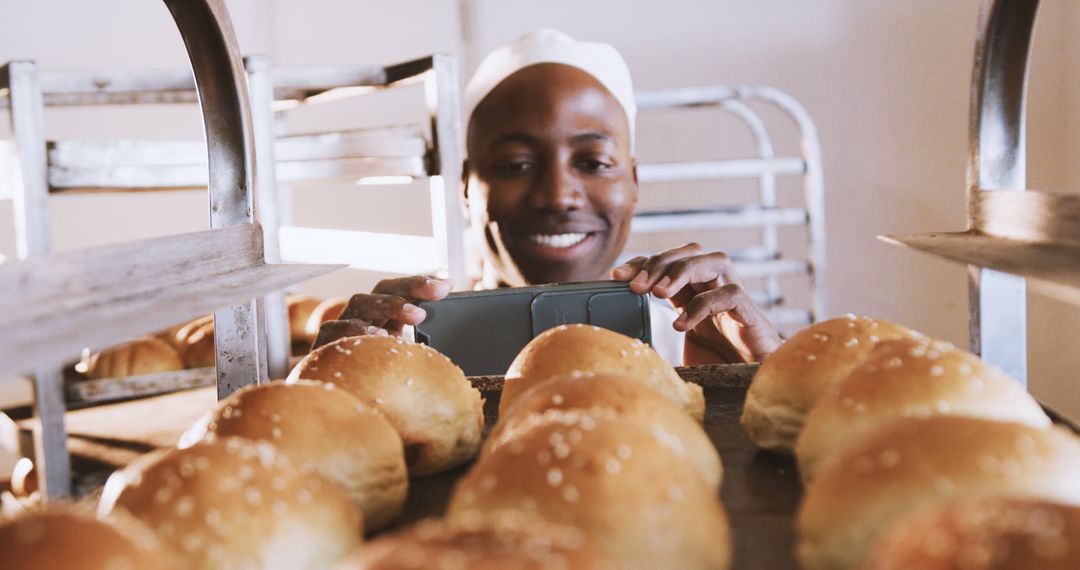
(610, 478)
(626, 398)
(196, 341)
(915, 377)
(300, 308)
(351, 443)
(328, 310)
(146, 355)
(791, 380)
(233, 503)
(64, 537)
(983, 533)
(436, 410)
(911, 462)
(438, 545)
(581, 349)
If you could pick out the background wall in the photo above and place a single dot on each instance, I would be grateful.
(886, 82)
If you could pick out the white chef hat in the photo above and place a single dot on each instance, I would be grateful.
(545, 45)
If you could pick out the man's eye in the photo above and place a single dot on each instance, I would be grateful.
(514, 167)
(594, 165)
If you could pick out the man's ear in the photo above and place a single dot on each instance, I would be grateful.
(465, 182)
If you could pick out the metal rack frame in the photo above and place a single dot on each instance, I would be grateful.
(765, 260)
(55, 304)
(1016, 238)
(59, 167)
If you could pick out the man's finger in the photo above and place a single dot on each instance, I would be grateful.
(415, 288)
(728, 298)
(628, 270)
(709, 271)
(655, 268)
(380, 310)
(333, 330)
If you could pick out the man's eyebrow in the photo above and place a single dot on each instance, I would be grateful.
(523, 138)
(591, 136)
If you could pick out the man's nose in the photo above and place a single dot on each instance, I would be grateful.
(559, 190)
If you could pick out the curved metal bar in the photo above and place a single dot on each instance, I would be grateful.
(219, 79)
(766, 182)
(239, 331)
(998, 302)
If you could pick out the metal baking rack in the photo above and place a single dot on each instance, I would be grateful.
(1016, 238)
(402, 153)
(765, 259)
(55, 304)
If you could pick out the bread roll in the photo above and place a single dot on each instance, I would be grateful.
(62, 537)
(24, 479)
(300, 308)
(425, 396)
(570, 349)
(627, 399)
(791, 380)
(328, 310)
(232, 503)
(609, 477)
(437, 545)
(912, 462)
(146, 355)
(196, 340)
(911, 377)
(985, 533)
(351, 443)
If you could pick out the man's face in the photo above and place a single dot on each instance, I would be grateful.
(551, 182)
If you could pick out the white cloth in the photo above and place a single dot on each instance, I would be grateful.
(665, 339)
(602, 61)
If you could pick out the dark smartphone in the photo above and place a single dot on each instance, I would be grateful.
(482, 331)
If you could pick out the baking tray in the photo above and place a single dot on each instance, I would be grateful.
(761, 490)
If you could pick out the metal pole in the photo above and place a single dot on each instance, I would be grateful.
(998, 301)
(448, 217)
(220, 80)
(267, 207)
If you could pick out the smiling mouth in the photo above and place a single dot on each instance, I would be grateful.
(557, 241)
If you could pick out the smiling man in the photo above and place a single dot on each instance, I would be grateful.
(551, 185)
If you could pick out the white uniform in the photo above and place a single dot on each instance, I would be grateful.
(665, 339)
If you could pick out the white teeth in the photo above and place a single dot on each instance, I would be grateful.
(558, 241)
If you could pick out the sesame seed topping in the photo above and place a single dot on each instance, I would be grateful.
(943, 407)
(488, 482)
(850, 316)
(184, 507)
(851, 342)
(570, 494)
(623, 452)
(337, 374)
(279, 483)
(276, 432)
(965, 369)
(873, 339)
(393, 350)
(408, 381)
(937, 370)
(554, 476)
(612, 466)
(811, 357)
(379, 401)
(674, 493)
(303, 495)
(329, 386)
(894, 362)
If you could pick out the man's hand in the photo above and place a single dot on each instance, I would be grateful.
(722, 324)
(386, 310)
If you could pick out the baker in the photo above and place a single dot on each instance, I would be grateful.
(550, 184)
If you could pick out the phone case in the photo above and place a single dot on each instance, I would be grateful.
(482, 331)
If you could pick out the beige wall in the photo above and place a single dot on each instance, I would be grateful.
(886, 82)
